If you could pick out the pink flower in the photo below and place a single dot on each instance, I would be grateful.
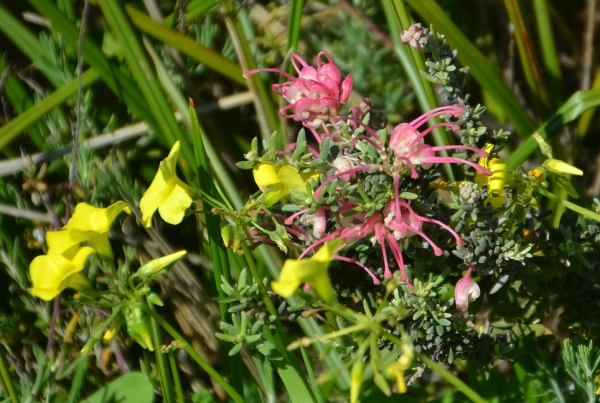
(316, 94)
(409, 148)
(416, 36)
(466, 290)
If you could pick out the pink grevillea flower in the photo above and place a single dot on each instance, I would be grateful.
(416, 36)
(409, 148)
(466, 290)
(316, 94)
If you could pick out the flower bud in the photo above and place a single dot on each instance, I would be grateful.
(158, 266)
(356, 378)
(466, 290)
(138, 326)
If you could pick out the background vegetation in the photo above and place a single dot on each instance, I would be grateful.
(115, 78)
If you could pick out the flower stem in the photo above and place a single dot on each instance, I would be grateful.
(197, 357)
(578, 209)
(6, 381)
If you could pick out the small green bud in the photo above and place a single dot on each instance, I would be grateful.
(158, 266)
(138, 326)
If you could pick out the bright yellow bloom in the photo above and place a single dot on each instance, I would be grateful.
(495, 182)
(280, 180)
(52, 273)
(312, 271)
(561, 167)
(396, 369)
(88, 224)
(167, 193)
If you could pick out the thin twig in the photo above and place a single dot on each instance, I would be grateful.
(9, 167)
(588, 45)
(73, 174)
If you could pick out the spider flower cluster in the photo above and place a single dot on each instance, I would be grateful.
(351, 182)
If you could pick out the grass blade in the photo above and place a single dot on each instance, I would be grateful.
(16, 126)
(186, 45)
(549, 56)
(145, 76)
(579, 102)
(531, 68)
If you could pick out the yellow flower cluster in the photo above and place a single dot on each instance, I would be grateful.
(60, 267)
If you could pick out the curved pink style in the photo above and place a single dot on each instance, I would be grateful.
(316, 94)
(409, 148)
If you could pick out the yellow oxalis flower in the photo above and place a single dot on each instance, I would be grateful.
(159, 265)
(280, 180)
(88, 224)
(312, 271)
(56, 271)
(167, 193)
(495, 182)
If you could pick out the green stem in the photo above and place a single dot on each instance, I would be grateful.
(578, 209)
(197, 357)
(161, 363)
(6, 381)
(280, 334)
(451, 379)
(176, 379)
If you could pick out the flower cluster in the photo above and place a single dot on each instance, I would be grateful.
(365, 191)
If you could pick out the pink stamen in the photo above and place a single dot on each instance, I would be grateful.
(454, 160)
(429, 130)
(399, 258)
(290, 219)
(454, 110)
(317, 193)
(379, 233)
(479, 151)
(356, 262)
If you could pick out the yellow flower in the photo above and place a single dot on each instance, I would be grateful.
(280, 180)
(52, 273)
(396, 369)
(495, 182)
(561, 167)
(167, 193)
(312, 271)
(88, 224)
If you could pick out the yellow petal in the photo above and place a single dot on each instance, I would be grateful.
(90, 218)
(52, 273)
(496, 180)
(265, 175)
(277, 192)
(173, 208)
(288, 175)
(167, 193)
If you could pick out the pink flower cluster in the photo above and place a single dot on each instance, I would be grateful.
(316, 94)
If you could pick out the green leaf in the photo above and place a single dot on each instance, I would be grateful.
(572, 109)
(294, 381)
(564, 183)
(134, 387)
(16, 126)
